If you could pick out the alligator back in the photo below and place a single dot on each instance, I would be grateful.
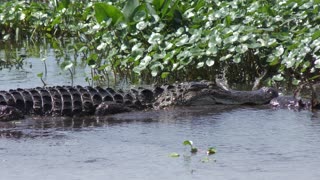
(71, 100)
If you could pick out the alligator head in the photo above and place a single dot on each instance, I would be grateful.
(206, 93)
(8, 113)
(209, 96)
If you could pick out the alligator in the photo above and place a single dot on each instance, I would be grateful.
(83, 101)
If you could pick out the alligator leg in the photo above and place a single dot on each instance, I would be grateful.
(9, 113)
(111, 107)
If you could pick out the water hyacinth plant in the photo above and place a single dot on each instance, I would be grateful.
(176, 40)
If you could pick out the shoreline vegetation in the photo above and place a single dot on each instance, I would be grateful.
(154, 41)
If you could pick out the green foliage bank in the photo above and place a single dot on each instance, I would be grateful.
(160, 40)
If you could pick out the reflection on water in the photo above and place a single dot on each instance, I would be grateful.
(252, 143)
(42, 126)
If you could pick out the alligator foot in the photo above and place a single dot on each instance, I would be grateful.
(9, 113)
(110, 107)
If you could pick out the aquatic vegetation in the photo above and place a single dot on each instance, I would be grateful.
(190, 143)
(211, 150)
(194, 150)
(174, 155)
(165, 40)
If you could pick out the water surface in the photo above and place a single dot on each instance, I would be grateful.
(26, 76)
(252, 144)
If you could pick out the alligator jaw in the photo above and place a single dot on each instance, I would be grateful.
(258, 97)
(231, 97)
(203, 100)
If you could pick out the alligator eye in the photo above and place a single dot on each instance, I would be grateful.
(273, 92)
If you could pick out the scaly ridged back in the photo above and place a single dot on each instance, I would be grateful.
(68, 100)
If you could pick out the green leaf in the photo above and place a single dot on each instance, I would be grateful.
(129, 8)
(231, 39)
(40, 75)
(279, 51)
(96, 77)
(211, 150)
(200, 4)
(194, 150)
(165, 75)
(152, 12)
(165, 7)
(244, 38)
(91, 61)
(242, 48)
(253, 7)
(157, 4)
(273, 60)
(141, 25)
(180, 31)
(228, 20)
(316, 35)
(254, 45)
(145, 61)
(223, 58)
(63, 4)
(200, 64)
(155, 38)
(154, 72)
(314, 77)
(188, 142)
(278, 77)
(210, 62)
(104, 11)
(155, 68)
(295, 82)
(140, 13)
(237, 59)
(65, 65)
(6, 37)
(102, 46)
(183, 40)
(317, 63)
(212, 50)
(174, 155)
(138, 69)
(306, 5)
